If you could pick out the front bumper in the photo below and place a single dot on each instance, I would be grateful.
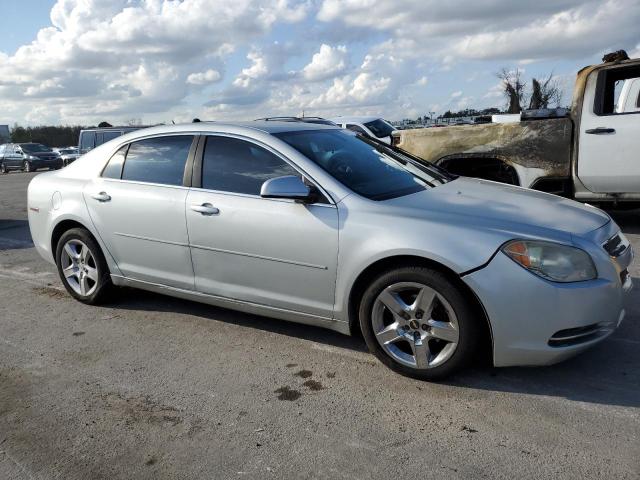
(57, 163)
(537, 322)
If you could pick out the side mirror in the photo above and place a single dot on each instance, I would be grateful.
(289, 186)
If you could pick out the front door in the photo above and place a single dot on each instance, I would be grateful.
(271, 252)
(609, 143)
(138, 208)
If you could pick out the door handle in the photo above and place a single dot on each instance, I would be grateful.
(205, 209)
(600, 130)
(101, 197)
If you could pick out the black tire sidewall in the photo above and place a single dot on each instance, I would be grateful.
(469, 328)
(101, 292)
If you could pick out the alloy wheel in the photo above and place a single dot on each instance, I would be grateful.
(415, 325)
(79, 267)
(27, 167)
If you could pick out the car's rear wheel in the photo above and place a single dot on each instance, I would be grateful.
(82, 267)
(26, 167)
(418, 323)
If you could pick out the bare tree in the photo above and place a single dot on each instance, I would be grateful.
(545, 92)
(513, 89)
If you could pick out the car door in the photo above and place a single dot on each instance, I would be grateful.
(138, 208)
(271, 252)
(16, 159)
(609, 142)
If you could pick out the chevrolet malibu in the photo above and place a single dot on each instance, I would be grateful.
(318, 225)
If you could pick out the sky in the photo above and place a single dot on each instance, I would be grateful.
(80, 62)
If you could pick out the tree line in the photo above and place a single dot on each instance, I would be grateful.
(52, 136)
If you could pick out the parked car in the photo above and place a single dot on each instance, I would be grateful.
(316, 120)
(27, 157)
(588, 153)
(67, 154)
(94, 137)
(373, 126)
(318, 225)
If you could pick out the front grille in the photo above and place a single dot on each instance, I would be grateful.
(575, 336)
(616, 245)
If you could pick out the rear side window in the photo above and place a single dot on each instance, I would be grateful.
(114, 167)
(617, 91)
(233, 165)
(158, 160)
(110, 135)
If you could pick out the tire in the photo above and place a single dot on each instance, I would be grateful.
(3, 169)
(433, 332)
(26, 167)
(88, 279)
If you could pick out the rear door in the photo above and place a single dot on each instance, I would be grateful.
(609, 141)
(138, 208)
(272, 252)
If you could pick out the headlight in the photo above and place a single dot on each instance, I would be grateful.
(31, 157)
(555, 262)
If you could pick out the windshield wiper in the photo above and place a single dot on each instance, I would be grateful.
(420, 163)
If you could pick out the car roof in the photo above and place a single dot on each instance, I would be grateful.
(247, 128)
(356, 119)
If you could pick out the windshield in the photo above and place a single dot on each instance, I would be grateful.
(379, 128)
(34, 148)
(365, 166)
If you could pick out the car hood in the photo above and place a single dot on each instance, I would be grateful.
(42, 154)
(504, 207)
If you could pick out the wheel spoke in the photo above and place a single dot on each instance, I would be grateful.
(92, 273)
(84, 251)
(73, 254)
(393, 302)
(84, 285)
(421, 352)
(70, 271)
(443, 330)
(425, 301)
(389, 334)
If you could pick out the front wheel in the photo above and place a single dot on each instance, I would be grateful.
(3, 168)
(26, 167)
(82, 267)
(418, 323)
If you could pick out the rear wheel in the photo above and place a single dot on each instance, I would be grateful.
(82, 267)
(418, 323)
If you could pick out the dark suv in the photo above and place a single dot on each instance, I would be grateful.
(28, 157)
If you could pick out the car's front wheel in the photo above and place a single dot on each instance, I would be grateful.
(418, 323)
(3, 168)
(82, 267)
(26, 167)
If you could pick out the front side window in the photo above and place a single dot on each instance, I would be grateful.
(158, 160)
(238, 166)
(379, 128)
(365, 166)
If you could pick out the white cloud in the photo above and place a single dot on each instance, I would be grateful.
(204, 78)
(327, 63)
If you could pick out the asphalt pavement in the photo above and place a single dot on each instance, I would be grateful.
(155, 387)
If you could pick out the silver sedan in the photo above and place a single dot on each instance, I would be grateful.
(321, 226)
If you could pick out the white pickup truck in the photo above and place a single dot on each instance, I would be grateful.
(590, 153)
